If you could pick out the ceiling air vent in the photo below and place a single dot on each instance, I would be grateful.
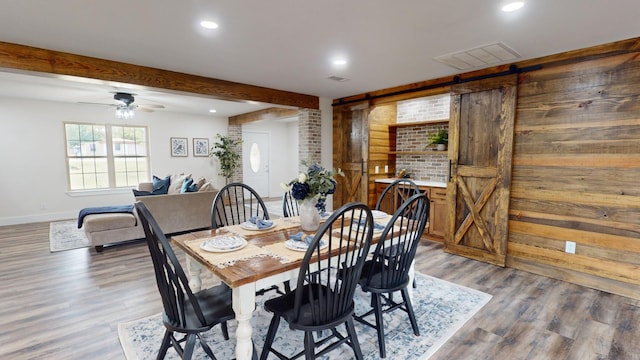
(338, 78)
(481, 56)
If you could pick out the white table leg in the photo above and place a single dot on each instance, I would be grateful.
(194, 269)
(244, 303)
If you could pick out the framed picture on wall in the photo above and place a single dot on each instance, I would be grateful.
(179, 147)
(200, 147)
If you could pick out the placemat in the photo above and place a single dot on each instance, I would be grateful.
(281, 224)
(224, 259)
(283, 253)
(286, 255)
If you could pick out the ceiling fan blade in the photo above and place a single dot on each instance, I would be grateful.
(152, 106)
(94, 103)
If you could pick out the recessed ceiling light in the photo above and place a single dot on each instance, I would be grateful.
(212, 111)
(339, 62)
(513, 6)
(208, 24)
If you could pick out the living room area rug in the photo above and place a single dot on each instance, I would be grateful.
(441, 309)
(65, 235)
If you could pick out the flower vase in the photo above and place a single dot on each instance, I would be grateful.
(309, 215)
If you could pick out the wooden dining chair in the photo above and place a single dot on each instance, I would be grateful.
(320, 300)
(388, 269)
(289, 205)
(395, 194)
(236, 203)
(186, 313)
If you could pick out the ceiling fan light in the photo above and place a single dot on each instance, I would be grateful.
(125, 112)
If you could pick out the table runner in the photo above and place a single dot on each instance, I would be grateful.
(224, 259)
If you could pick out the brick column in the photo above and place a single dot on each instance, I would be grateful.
(235, 132)
(309, 135)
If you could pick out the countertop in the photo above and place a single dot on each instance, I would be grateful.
(418, 182)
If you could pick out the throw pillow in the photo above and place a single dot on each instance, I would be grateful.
(161, 186)
(176, 183)
(200, 182)
(188, 186)
(141, 193)
(206, 187)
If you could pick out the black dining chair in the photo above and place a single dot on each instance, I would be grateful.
(289, 205)
(395, 194)
(388, 269)
(320, 300)
(236, 203)
(186, 313)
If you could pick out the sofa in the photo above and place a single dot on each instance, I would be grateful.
(175, 212)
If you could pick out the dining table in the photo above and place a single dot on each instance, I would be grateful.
(264, 261)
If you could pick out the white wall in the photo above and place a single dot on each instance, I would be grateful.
(283, 162)
(33, 185)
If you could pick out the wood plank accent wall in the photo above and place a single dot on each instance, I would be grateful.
(379, 117)
(576, 166)
(575, 173)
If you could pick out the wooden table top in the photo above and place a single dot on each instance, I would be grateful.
(252, 269)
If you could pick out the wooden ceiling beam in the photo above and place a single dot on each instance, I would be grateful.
(32, 59)
(266, 114)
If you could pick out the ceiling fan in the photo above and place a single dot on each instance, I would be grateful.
(125, 105)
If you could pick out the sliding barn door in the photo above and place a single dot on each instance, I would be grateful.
(480, 151)
(350, 139)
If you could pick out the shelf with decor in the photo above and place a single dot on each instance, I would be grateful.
(393, 135)
(419, 123)
(426, 152)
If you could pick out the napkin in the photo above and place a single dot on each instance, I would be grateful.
(376, 226)
(299, 236)
(260, 223)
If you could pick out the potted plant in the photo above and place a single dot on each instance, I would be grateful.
(225, 149)
(440, 139)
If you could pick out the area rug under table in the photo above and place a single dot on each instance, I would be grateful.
(65, 235)
(441, 309)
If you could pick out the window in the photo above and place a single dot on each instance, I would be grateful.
(106, 156)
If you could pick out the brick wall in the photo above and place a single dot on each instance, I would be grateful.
(309, 136)
(422, 109)
(426, 167)
(235, 132)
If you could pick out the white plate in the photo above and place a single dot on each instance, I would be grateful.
(248, 225)
(223, 244)
(377, 214)
(301, 245)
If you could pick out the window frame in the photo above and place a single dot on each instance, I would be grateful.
(110, 157)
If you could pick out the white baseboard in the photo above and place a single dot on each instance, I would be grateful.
(38, 218)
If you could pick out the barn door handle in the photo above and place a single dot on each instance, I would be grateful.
(450, 165)
(362, 166)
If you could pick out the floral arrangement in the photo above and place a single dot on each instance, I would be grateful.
(316, 183)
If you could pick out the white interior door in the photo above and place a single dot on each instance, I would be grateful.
(255, 161)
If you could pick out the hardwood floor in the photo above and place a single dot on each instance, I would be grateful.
(67, 305)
